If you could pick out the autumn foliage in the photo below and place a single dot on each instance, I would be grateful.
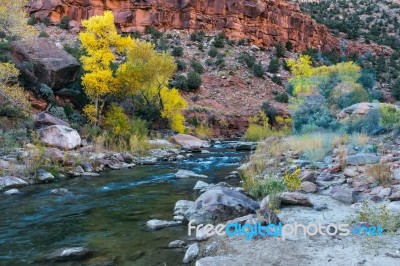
(144, 74)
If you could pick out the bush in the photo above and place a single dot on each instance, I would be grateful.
(270, 111)
(358, 95)
(279, 50)
(180, 65)
(43, 34)
(314, 113)
(193, 81)
(258, 70)
(367, 79)
(197, 67)
(46, 93)
(390, 115)
(177, 51)
(292, 180)
(162, 44)
(247, 59)
(181, 83)
(200, 46)
(213, 52)
(242, 42)
(46, 21)
(277, 80)
(155, 34)
(32, 20)
(59, 112)
(197, 36)
(273, 66)
(382, 217)
(289, 45)
(367, 124)
(220, 62)
(219, 41)
(282, 97)
(396, 89)
(116, 122)
(64, 23)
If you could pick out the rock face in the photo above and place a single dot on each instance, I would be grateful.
(264, 22)
(220, 204)
(61, 137)
(50, 65)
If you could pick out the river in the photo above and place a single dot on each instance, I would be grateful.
(107, 214)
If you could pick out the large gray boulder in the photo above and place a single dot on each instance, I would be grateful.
(49, 64)
(189, 142)
(46, 119)
(11, 182)
(191, 253)
(61, 137)
(220, 204)
(362, 158)
(188, 174)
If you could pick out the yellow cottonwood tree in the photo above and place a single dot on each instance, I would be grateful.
(146, 72)
(10, 92)
(302, 71)
(13, 19)
(99, 40)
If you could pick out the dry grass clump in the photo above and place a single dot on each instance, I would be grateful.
(359, 139)
(379, 172)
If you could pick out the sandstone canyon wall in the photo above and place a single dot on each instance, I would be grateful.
(264, 22)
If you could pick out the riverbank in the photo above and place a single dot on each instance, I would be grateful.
(355, 182)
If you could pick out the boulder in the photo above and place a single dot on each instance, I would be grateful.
(55, 155)
(189, 142)
(156, 224)
(294, 198)
(46, 119)
(385, 192)
(44, 176)
(360, 109)
(10, 192)
(177, 244)
(307, 175)
(220, 204)
(191, 253)
(188, 174)
(362, 158)
(61, 137)
(181, 206)
(246, 146)
(308, 187)
(345, 195)
(200, 185)
(395, 196)
(360, 185)
(73, 253)
(50, 65)
(60, 191)
(11, 182)
(394, 206)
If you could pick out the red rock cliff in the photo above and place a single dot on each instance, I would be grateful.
(264, 22)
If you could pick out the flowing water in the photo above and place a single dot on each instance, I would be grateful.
(107, 214)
